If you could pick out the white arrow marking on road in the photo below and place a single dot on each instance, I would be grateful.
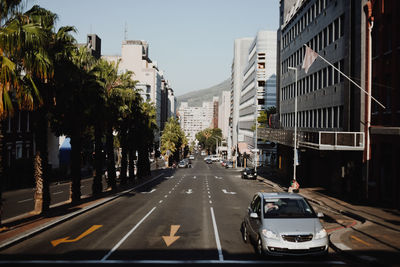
(216, 177)
(189, 191)
(226, 192)
(152, 190)
(194, 177)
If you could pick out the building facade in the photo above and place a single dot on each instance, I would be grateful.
(258, 90)
(384, 170)
(135, 57)
(195, 119)
(223, 113)
(330, 111)
(240, 59)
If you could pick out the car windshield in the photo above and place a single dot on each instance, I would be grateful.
(287, 208)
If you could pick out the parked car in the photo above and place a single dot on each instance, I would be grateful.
(214, 157)
(209, 161)
(229, 164)
(284, 224)
(183, 164)
(191, 157)
(249, 173)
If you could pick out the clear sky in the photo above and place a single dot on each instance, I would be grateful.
(191, 40)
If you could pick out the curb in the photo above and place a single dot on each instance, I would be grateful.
(29, 233)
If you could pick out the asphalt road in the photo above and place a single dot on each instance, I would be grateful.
(192, 216)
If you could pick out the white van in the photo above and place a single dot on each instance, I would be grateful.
(214, 157)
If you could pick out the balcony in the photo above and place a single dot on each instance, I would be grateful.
(319, 140)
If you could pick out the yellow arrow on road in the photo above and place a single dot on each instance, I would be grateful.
(67, 240)
(171, 238)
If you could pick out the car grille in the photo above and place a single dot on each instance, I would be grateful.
(297, 238)
(297, 251)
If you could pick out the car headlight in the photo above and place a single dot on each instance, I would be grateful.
(321, 234)
(245, 173)
(269, 234)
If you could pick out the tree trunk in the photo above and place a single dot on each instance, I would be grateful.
(131, 164)
(97, 186)
(124, 158)
(1, 172)
(76, 145)
(110, 159)
(143, 168)
(40, 165)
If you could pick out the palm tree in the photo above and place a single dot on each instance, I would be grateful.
(23, 59)
(59, 44)
(145, 130)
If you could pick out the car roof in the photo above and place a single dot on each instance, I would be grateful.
(280, 195)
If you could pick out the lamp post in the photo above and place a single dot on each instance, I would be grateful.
(256, 139)
(295, 126)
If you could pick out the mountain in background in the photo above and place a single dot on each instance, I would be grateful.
(196, 98)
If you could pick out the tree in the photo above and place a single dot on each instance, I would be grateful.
(208, 138)
(146, 129)
(173, 140)
(75, 87)
(23, 58)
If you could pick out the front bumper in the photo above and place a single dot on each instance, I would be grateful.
(281, 247)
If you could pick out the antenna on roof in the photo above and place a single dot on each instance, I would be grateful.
(125, 31)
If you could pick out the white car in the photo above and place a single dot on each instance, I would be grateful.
(191, 157)
(284, 224)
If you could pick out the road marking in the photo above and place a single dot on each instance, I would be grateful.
(67, 240)
(342, 246)
(189, 191)
(210, 202)
(25, 200)
(152, 190)
(194, 177)
(209, 196)
(171, 238)
(221, 257)
(59, 192)
(166, 196)
(127, 235)
(227, 192)
(160, 201)
(360, 240)
(169, 192)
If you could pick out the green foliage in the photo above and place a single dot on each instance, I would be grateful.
(208, 138)
(173, 139)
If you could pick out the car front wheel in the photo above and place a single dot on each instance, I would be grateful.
(259, 247)
(245, 235)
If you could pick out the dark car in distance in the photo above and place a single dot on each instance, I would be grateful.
(209, 161)
(249, 173)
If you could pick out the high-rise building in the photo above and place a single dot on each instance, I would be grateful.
(223, 113)
(330, 112)
(195, 119)
(240, 59)
(258, 90)
(135, 57)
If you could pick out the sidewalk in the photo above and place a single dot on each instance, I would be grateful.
(369, 234)
(29, 224)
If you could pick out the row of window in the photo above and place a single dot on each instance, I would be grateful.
(328, 35)
(331, 117)
(19, 123)
(320, 79)
(302, 24)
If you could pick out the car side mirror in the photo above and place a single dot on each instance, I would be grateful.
(320, 215)
(254, 215)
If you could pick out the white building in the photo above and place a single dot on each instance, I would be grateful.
(258, 90)
(240, 59)
(135, 57)
(224, 112)
(195, 119)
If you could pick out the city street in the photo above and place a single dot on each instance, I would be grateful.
(191, 216)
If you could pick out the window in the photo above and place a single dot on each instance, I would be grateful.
(18, 150)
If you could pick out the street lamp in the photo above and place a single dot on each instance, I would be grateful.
(295, 126)
(256, 139)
